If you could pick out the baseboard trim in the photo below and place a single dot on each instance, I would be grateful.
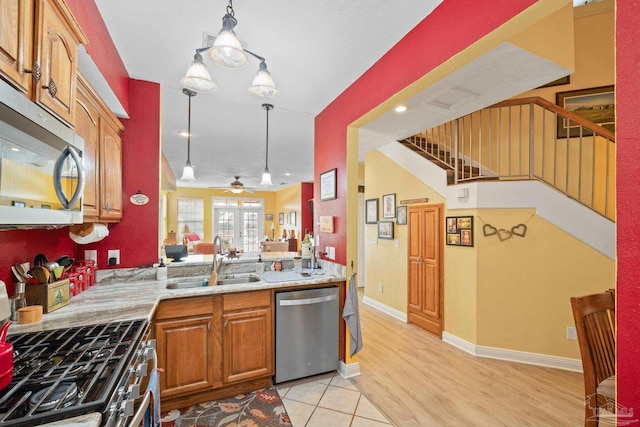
(350, 370)
(537, 359)
(397, 314)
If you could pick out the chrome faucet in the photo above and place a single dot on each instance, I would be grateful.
(216, 266)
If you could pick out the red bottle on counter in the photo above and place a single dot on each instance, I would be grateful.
(90, 267)
(73, 283)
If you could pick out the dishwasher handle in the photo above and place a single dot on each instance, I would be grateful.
(307, 301)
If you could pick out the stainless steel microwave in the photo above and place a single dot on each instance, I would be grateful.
(41, 169)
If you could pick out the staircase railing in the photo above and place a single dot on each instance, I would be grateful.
(528, 138)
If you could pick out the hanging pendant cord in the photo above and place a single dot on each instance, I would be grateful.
(267, 107)
(189, 133)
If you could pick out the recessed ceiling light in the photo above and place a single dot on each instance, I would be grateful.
(15, 149)
(401, 108)
(183, 133)
(287, 174)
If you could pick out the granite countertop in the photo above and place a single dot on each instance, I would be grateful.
(135, 299)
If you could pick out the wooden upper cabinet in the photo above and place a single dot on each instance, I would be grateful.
(57, 56)
(110, 173)
(39, 52)
(88, 127)
(16, 43)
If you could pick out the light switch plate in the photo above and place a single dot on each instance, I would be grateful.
(332, 252)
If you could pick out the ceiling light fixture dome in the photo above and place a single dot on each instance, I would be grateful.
(198, 78)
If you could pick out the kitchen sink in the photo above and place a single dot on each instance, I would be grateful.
(184, 284)
(224, 280)
(237, 280)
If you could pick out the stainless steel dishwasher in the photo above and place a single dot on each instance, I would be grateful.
(307, 332)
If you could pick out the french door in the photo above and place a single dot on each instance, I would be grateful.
(239, 228)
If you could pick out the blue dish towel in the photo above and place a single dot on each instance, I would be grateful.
(351, 315)
(152, 417)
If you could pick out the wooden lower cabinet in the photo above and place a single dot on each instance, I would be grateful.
(213, 346)
(186, 345)
(247, 337)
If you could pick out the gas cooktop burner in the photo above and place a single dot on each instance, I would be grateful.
(61, 396)
(73, 371)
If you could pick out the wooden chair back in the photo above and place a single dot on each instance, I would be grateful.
(595, 317)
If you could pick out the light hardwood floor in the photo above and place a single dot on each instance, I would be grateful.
(415, 379)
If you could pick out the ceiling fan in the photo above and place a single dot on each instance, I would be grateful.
(236, 187)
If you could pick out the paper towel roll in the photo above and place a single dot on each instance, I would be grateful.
(99, 232)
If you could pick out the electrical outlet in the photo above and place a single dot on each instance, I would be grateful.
(113, 254)
(379, 287)
(373, 241)
(91, 254)
(571, 333)
(397, 242)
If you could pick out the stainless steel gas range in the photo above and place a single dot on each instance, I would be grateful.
(63, 373)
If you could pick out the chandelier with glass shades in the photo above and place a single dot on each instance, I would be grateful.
(227, 52)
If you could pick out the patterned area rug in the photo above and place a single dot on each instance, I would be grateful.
(262, 408)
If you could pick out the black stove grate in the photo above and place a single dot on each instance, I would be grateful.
(94, 358)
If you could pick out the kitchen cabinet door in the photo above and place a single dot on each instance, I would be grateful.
(185, 352)
(16, 43)
(57, 56)
(110, 173)
(247, 336)
(88, 127)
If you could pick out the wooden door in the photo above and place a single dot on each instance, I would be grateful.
(87, 126)
(425, 268)
(185, 352)
(110, 173)
(16, 43)
(58, 58)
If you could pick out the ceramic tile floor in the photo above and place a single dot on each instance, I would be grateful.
(328, 400)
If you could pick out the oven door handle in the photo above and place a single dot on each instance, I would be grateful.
(142, 410)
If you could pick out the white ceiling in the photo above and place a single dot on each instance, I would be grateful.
(314, 50)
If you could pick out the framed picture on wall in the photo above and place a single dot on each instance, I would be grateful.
(292, 218)
(371, 211)
(328, 185)
(594, 104)
(459, 231)
(281, 218)
(269, 217)
(401, 215)
(385, 230)
(389, 206)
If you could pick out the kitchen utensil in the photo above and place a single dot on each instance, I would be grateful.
(66, 262)
(30, 314)
(51, 266)
(6, 358)
(41, 274)
(20, 273)
(58, 272)
(39, 260)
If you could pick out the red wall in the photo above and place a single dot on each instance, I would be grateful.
(101, 48)
(415, 55)
(628, 202)
(137, 234)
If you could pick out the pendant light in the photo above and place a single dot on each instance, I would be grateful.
(227, 52)
(187, 172)
(266, 175)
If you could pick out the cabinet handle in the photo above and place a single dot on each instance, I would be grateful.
(226, 322)
(107, 208)
(52, 88)
(209, 326)
(36, 72)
